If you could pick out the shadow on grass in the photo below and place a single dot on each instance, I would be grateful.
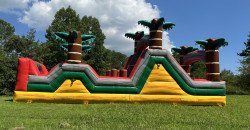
(8, 100)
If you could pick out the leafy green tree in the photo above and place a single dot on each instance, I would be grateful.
(108, 59)
(2, 70)
(64, 20)
(246, 52)
(244, 76)
(6, 31)
(22, 46)
(119, 59)
(198, 70)
(91, 25)
(228, 76)
(231, 82)
(98, 57)
(8, 69)
(7, 63)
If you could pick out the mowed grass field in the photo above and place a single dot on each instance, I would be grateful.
(235, 115)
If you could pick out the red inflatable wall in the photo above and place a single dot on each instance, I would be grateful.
(27, 67)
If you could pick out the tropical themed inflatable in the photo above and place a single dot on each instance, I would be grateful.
(151, 74)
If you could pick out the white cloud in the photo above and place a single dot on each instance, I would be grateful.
(116, 17)
(13, 6)
(166, 43)
(39, 16)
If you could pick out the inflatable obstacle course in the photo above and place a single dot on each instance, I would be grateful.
(151, 74)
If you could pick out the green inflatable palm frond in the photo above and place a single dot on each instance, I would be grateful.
(145, 23)
(155, 23)
(168, 25)
(202, 43)
(177, 50)
(59, 36)
(190, 49)
(64, 46)
(183, 48)
(221, 42)
(88, 38)
(63, 35)
(135, 36)
(215, 43)
(86, 48)
(130, 35)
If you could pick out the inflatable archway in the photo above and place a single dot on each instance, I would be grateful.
(195, 56)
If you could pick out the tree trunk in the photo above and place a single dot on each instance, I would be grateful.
(74, 48)
(212, 64)
(155, 38)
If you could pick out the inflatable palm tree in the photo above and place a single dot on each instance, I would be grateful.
(184, 50)
(156, 27)
(211, 47)
(136, 37)
(73, 43)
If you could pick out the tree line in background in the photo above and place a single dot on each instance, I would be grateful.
(240, 83)
(13, 46)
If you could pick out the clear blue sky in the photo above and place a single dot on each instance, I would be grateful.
(202, 19)
(195, 20)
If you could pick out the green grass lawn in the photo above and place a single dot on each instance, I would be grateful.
(235, 115)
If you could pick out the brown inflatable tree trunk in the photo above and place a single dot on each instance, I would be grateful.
(135, 46)
(212, 63)
(74, 47)
(137, 38)
(155, 31)
(156, 38)
(185, 67)
(211, 47)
